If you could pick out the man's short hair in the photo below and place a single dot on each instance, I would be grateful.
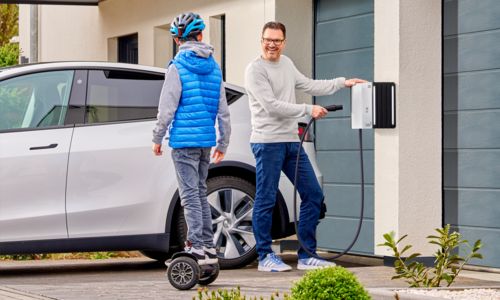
(275, 25)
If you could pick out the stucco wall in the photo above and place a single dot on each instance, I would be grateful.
(90, 32)
(244, 20)
(408, 184)
(24, 30)
(65, 33)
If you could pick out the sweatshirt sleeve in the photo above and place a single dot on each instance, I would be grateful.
(223, 119)
(317, 87)
(169, 101)
(258, 87)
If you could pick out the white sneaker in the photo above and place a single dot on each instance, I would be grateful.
(198, 253)
(211, 255)
(312, 263)
(273, 263)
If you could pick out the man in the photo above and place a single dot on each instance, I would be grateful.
(270, 81)
(192, 98)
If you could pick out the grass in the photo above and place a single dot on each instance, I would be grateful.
(72, 255)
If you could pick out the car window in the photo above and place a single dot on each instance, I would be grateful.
(116, 95)
(35, 100)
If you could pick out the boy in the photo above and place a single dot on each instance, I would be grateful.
(193, 96)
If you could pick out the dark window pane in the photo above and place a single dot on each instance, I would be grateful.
(128, 49)
(117, 95)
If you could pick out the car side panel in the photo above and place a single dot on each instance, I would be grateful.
(32, 184)
(116, 186)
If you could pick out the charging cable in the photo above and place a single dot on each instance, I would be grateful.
(329, 108)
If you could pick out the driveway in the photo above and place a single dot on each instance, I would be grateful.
(141, 278)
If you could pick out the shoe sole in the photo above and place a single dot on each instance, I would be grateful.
(302, 267)
(267, 269)
(211, 261)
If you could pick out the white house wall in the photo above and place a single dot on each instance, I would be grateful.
(90, 32)
(65, 33)
(408, 184)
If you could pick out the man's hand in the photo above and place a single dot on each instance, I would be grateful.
(218, 156)
(351, 82)
(157, 149)
(319, 112)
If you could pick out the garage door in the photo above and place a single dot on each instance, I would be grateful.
(344, 47)
(471, 122)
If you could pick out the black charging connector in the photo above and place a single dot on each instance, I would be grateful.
(334, 107)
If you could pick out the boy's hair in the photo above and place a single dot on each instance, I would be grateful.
(275, 25)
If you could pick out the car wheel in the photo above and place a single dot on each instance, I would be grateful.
(231, 200)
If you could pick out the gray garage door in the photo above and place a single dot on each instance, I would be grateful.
(472, 122)
(344, 47)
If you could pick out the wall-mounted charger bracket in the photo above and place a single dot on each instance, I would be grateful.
(373, 105)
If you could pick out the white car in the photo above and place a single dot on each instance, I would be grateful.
(77, 172)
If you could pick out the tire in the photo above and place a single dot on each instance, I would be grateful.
(230, 229)
(183, 273)
(211, 278)
(240, 220)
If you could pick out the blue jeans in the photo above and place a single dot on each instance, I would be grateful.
(271, 159)
(191, 166)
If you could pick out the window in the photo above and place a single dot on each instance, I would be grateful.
(35, 100)
(116, 95)
(128, 49)
(218, 40)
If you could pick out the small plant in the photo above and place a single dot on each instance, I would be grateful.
(329, 283)
(233, 294)
(447, 263)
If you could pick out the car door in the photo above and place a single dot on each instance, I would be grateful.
(116, 185)
(34, 147)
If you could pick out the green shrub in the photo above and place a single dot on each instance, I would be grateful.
(447, 263)
(329, 283)
(9, 55)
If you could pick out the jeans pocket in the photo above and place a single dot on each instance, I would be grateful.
(256, 148)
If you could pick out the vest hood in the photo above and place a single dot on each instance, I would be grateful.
(196, 57)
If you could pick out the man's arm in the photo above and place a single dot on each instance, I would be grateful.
(169, 101)
(257, 85)
(224, 122)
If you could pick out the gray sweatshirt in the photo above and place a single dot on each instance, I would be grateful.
(271, 92)
(171, 95)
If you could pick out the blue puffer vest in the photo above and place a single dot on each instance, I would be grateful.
(194, 120)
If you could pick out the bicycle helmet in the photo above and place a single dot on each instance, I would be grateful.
(187, 26)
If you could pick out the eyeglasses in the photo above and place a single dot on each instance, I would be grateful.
(277, 42)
